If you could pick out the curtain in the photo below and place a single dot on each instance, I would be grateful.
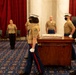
(72, 7)
(4, 15)
(15, 10)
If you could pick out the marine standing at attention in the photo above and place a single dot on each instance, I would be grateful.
(51, 26)
(69, 28)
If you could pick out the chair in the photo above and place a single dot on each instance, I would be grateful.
(0, 34)
(19, 34)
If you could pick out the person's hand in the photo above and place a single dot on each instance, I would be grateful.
(70, 36)
(32, 50)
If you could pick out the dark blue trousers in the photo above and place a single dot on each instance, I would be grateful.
(34, 56)
(67, 34)
(12, 39)
(51, 32)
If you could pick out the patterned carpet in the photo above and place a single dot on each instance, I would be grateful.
(12, 62)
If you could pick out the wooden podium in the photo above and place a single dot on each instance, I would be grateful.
(55, 51)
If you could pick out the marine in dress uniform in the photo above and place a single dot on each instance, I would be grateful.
(51, 26)
(33, 47)
(69, 28)
(12, 31)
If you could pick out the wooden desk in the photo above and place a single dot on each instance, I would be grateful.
(55, 51)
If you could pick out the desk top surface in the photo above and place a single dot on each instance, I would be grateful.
(48, 39)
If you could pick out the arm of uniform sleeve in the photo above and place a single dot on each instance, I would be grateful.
(35, 33)
(34, 42)
(33, 45)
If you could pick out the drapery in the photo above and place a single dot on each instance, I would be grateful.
(72, 7)
(15, 10)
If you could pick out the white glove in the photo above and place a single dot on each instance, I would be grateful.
(70, 36)
(32, 50)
